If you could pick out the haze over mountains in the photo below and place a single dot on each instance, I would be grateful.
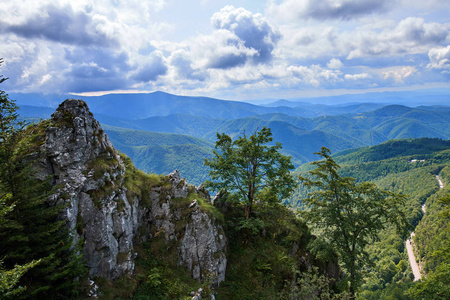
(154, 128)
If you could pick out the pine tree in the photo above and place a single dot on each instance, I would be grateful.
(31, 229)
(39, 234)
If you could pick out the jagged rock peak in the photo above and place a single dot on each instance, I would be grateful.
(77, 108)
(89, 176)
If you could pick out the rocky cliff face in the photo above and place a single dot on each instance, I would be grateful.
(107, 217)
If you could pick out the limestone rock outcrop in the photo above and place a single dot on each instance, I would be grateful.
(89, 177)
(201, 247)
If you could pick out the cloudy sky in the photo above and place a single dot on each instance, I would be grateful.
(225, 49)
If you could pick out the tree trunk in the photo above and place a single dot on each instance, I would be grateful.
(247, 211)
(352, 281)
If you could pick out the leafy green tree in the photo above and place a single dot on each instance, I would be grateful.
(350, 214)
(250, 170)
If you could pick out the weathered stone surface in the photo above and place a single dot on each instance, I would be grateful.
(88, 174)
(202, 247)
(74, 143)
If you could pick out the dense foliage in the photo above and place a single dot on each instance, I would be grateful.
(351, 214)
(408, 167)
(249, 170)
(277, 262)
(162, 153)
(38, 258)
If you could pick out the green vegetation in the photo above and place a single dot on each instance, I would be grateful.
(268, 244)
(38, 258)
(407, 167)
(351, 215)
(276, 262)
(250, 171)
(9, 278)
(137, 182)
(433, 241)
(163, 153)
(183, 141)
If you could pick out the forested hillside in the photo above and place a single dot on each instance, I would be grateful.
(74, 208)
(366, 125)
(408, 167)
(161, 152)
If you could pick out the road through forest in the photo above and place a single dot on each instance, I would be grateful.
(409, 247)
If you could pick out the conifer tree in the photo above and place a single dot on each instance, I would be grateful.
(9, 277)
(31, 229)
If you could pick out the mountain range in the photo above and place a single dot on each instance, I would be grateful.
(152, 128)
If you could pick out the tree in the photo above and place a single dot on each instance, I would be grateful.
(30, 229)
(350, 214)
(8, 129)
(10, 278)
(249, 170)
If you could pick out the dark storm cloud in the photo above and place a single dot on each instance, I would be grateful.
(94, 84)
(105, 58)
(60, 24)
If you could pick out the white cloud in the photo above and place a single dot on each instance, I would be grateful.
(81, 46)
(411, 35)
(221, 50)
(150, 68)
(315, 75)
(182, 67)
(399, 74)
(335, 64)
(357, 76)
(252, 30)
(439, 58)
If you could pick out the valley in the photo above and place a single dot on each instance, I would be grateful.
(301, 128)
(410, 247)
(216, 150)
(399, 148)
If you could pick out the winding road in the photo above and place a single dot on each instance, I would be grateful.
(409, 246)
(412, 259)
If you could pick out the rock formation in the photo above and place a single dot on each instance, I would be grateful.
(106, 217)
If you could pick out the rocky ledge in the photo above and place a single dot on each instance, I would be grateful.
(108, 215)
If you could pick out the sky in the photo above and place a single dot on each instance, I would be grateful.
(238, 50)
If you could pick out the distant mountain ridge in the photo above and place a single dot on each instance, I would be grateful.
(195, 117)
(146, 105)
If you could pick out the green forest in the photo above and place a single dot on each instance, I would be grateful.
(331, 229)
(407, 167)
